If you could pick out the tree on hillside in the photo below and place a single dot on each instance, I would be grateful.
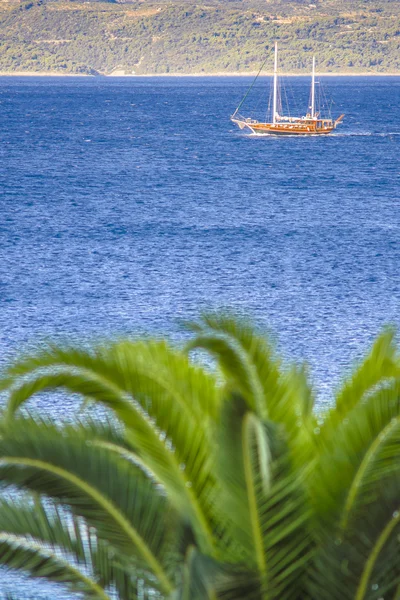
(203, 483)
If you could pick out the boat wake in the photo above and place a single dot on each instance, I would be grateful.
(388, 134)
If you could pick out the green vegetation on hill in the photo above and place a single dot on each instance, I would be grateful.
(185, 37)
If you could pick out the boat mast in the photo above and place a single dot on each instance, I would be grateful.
(313, 89)
(275, 84)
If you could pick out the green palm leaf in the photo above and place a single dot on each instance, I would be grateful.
(365, 454)
(206, 579)
(110, 493)
(168, 416)
(58, 537)
(381, 364)
(250, 369)
(254, 368)
(26, 555)
(263, 501)
(246, 360)
(356, 491)
(207, 486)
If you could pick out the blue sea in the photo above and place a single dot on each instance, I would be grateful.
(129, 205)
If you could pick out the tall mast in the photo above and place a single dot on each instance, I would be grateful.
(275, 84)
(313, 89)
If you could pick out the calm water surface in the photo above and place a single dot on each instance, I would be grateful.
(128, 204)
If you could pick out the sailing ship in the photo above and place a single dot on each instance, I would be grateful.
(310, 124)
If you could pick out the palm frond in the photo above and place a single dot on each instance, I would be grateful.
(22, 554)
(167, 405)
(237, 349)
(263, 501)
(363, 458)
(371, 562)
(54, 528)
(381, 364)
(361, 561)
(206, 579)
(356, 490)
(206, 486)
(251, 369)
(113, 495)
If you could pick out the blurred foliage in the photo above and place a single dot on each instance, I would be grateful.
(184, 37)
(217, 483)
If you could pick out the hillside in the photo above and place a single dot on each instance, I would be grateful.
(182, 36)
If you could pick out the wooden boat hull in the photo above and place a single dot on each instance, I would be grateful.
(294, 127)
(300, 131)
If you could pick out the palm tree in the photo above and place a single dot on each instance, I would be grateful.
(203, 483)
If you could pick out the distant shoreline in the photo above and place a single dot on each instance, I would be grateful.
(254, 73)
(40, 74)
(223, 74)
